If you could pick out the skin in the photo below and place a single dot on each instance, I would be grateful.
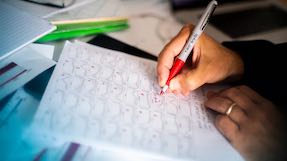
(254, 127)
(211, 62)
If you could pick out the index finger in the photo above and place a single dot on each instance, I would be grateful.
(170, 51)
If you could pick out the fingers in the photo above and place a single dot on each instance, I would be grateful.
(255, 97)
(210, 94)
(227, 127)
(170, 51)
(236, 95)
(162, 72)
(244, 104)
(258, 133)
(222, 104)
(187, 81)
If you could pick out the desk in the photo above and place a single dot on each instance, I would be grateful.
(151, 37)
(152, 24)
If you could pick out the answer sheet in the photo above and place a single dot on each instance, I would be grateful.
(98, 96)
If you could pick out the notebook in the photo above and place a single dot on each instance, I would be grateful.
(19, 29)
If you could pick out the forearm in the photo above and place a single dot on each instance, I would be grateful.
(264, 67)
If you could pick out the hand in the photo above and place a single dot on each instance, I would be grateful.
(211, 62)
(254, 127)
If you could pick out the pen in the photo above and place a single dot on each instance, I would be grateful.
(181, 58)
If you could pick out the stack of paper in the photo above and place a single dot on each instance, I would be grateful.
(23, 66)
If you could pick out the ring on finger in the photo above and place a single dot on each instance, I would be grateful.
(230, 108)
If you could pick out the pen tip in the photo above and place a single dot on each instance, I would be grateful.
(163, 90)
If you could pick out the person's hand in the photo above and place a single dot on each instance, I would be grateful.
(254, 126)
(211, 62)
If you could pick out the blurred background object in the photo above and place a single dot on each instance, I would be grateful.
(238, 19)
(54, 3)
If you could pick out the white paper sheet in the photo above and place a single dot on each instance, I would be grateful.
(44, 49)
(28, 64)
(98, 96)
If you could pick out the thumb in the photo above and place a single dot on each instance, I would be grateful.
(163, 73)
(168, 54)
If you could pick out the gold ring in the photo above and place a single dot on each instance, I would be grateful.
(230, 109)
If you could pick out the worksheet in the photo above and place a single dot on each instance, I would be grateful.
(102, 97)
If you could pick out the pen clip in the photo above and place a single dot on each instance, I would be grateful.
(206, 19)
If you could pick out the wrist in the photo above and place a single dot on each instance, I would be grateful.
(236, 65)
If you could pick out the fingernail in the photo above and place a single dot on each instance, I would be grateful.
(175, 92)
(160, 82)
(186, 93)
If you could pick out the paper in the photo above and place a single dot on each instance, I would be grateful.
(22, 67)
(16, 31)
(152, 25)
(41, 10)
(44, 49)
(99, 96)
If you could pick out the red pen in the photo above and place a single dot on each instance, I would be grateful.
(181, 58)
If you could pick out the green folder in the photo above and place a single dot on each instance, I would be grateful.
(77, 28)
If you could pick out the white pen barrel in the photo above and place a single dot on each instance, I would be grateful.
(197, 31)
(207, 13)
(189, 45)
